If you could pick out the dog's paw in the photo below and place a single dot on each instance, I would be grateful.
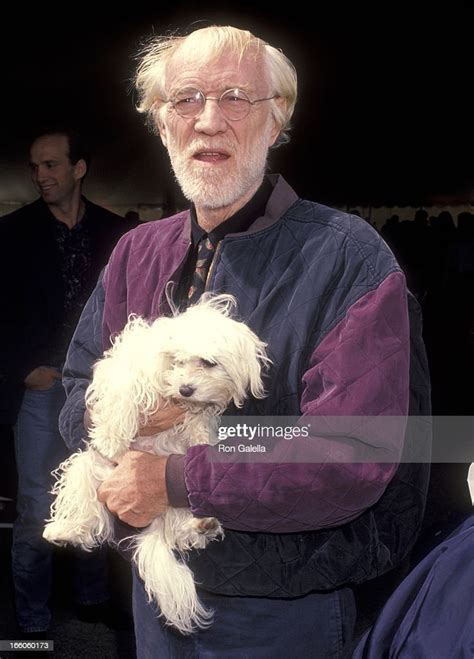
(55, 534)
(208, 527)
(196, 533)
(206, 524)
(61, 535)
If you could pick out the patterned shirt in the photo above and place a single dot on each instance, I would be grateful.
(237, 223)
(74, 250)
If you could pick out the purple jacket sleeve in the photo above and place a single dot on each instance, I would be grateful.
(360, 368)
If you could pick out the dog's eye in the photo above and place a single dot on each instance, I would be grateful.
(207, 364)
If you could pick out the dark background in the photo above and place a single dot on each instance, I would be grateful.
(384, 116)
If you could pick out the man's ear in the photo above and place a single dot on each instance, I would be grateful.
(80, 169)
(162, 132)
(277, 128)
(161, 129)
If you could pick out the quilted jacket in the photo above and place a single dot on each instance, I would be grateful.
(326, 294)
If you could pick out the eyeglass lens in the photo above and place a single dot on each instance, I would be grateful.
(234, 103)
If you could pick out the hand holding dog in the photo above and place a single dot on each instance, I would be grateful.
(136, 490)
(162, 420)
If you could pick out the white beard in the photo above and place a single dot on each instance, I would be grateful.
(213, 188)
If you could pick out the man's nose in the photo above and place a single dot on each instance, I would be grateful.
(211, 120)
(40, 174)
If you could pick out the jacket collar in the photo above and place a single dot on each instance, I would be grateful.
(281, 199)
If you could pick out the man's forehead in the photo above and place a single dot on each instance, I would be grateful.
(50, 145)
(191, 63)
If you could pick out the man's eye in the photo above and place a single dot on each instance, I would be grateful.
(207, 364)
(188, 99)
(235, 98)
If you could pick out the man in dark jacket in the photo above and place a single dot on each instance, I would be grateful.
(51, 254)
(325, 293)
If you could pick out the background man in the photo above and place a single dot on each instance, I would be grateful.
(326, 294)
(51, 254)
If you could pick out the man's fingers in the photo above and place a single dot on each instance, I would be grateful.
(167, 414)
(135, 490)
(162, 420)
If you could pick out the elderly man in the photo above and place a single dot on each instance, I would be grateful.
(326, 294)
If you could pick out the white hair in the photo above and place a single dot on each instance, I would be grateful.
(212, 42)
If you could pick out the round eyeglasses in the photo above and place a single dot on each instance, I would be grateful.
(233, 103)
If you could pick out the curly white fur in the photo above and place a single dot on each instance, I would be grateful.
(202, 359)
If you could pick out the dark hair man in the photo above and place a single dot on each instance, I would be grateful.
(51, 254)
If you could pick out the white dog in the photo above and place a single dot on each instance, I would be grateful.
(201, 359)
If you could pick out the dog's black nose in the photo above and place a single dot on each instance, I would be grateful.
(186, 390)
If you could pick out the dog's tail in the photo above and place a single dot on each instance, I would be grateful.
(169, 582)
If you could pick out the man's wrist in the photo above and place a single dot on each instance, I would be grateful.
(175, 483)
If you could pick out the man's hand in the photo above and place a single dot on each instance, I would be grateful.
(42, 378)
(162, 420)
(136, 490)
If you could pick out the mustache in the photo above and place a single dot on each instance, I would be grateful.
(207, 145)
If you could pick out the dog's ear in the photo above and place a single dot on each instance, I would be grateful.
(258, 362)
(122, 392)
(113, 401)
(159, 351)
(248, 361)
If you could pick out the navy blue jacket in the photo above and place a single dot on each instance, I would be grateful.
(326, 294)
